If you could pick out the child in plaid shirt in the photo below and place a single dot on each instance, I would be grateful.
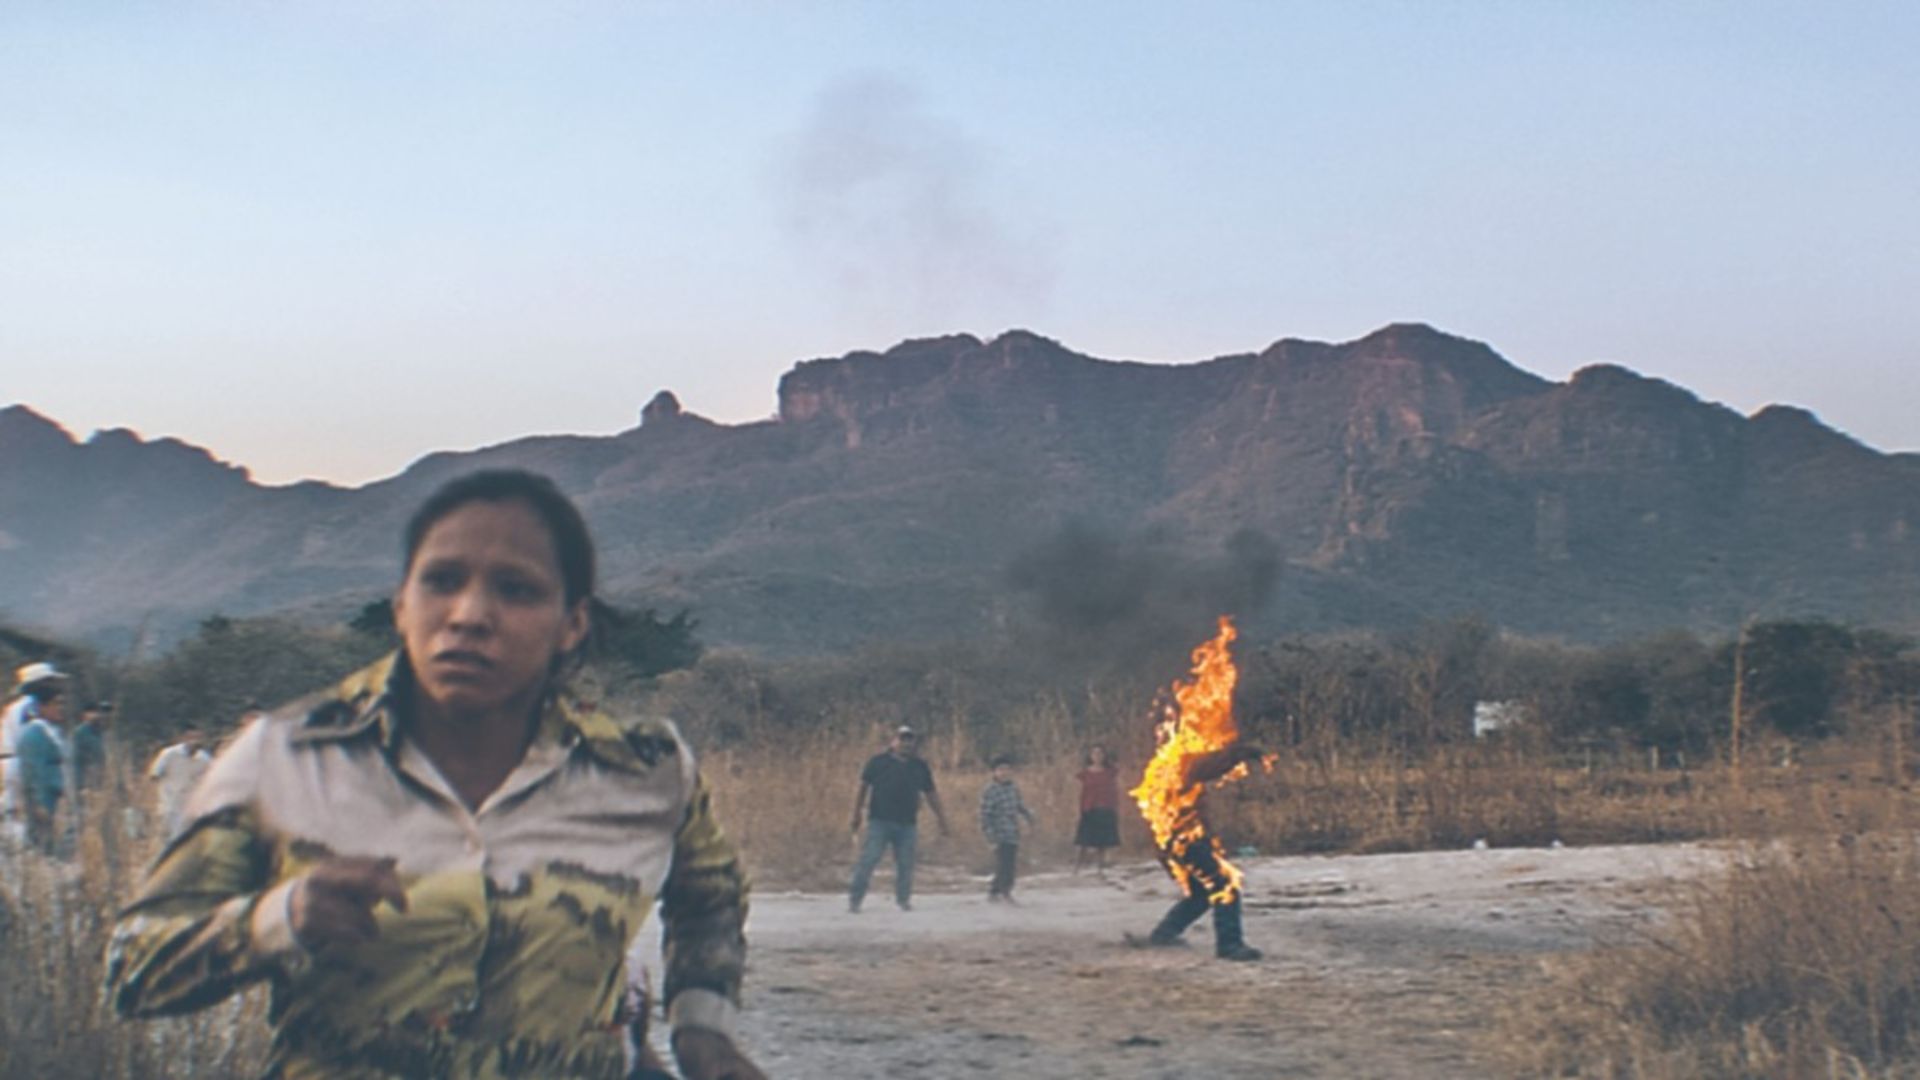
(1001, 809)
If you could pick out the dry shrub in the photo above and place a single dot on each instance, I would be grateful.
(1456, 795)
(55, 918)
(787, 807)
(1801, 959)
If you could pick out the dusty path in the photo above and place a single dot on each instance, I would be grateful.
(1377, 966)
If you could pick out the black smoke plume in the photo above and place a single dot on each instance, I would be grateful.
(1122, 599)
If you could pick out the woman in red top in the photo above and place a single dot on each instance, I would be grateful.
(1099, 827)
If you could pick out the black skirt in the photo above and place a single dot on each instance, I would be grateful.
(1098, 828)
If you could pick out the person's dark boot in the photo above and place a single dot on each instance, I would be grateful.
(1229, 941)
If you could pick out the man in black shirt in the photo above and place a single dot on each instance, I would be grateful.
(890, 790)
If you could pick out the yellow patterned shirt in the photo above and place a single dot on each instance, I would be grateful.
(509, 960)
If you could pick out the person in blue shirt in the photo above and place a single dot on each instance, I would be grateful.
(42, 750)
(33, 682)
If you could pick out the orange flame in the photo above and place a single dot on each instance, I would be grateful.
(1199, 721)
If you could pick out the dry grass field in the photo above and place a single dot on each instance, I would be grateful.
(1801, 958)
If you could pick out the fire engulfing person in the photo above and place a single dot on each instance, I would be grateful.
(1198, 743)
(438, 864)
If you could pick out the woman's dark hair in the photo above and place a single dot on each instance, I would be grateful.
(999, 760)
(1106, 755)
(572, 545)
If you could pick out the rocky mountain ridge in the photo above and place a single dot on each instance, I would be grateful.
(918, 494)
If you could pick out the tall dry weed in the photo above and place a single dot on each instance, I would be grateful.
(1801, 959)
(55, 917)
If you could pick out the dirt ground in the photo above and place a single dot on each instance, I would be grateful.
(1376, 966)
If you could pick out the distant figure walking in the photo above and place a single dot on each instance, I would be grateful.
(1099, 827)
(33, 684)
(87, 763)
(890, 788)
(174, 772)
(1001, 809)
(89, 742)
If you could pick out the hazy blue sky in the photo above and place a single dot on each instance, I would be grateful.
(322, 239)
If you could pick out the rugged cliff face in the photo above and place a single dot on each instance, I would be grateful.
(920, 493)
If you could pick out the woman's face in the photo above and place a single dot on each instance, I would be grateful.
(1097, 756)
(483, 609)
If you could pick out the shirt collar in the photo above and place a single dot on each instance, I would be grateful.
(632, 747)
(369, 701)
(364, 701)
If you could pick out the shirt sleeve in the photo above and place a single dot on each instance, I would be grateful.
(201, 926)
(870, 771)
(205, 921)
(703, 911)
(926, 775)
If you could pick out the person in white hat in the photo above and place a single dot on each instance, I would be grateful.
(33, 684)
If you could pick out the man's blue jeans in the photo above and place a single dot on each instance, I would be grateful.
(881, 834)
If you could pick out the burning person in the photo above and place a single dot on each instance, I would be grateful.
(1198, 744)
